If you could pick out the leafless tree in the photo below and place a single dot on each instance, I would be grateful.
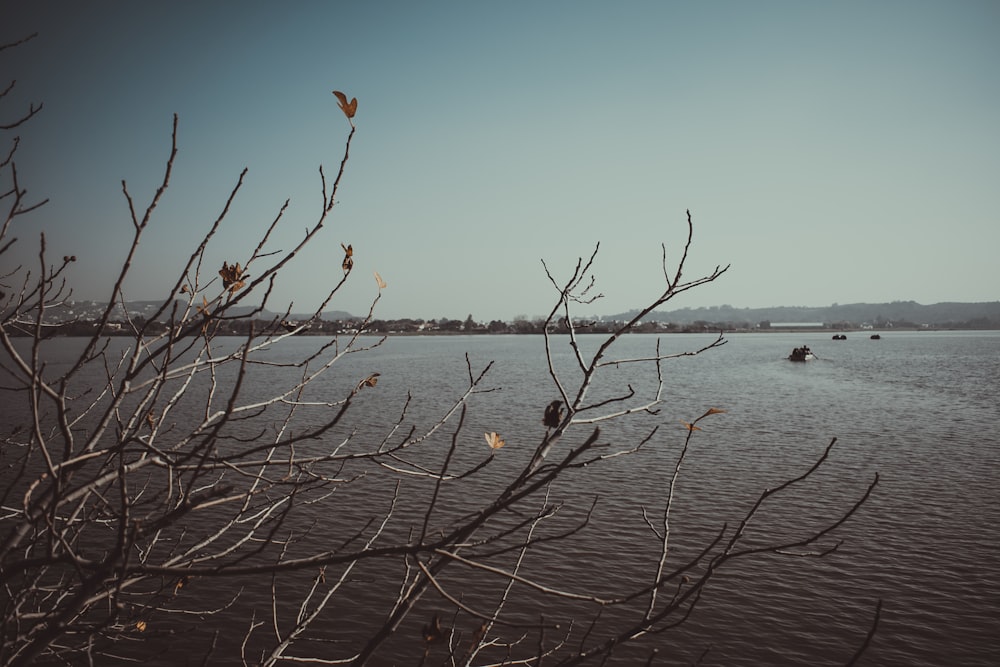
(178, 474)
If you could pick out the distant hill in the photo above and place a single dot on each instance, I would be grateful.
(984, 315)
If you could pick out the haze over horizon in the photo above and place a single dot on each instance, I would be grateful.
(831, 153)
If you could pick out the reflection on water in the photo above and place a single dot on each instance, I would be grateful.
(921, 409)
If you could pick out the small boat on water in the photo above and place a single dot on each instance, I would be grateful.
(839, 336)
(801, 354)
(876, 337)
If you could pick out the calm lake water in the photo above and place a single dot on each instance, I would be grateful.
(921, 409)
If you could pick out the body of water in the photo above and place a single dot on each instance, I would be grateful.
(921, 409)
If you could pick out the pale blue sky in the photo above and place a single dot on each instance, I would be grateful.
(830, 151)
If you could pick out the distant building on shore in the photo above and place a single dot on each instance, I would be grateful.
(797, 325)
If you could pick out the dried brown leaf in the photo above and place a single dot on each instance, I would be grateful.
(348, 262)
(369, 381)
(349, 108)
(233, 277)
(494, 440)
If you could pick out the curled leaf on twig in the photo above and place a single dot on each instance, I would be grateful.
(553, 414)
(203, 311)
(369, 381)
(348, 262)
(203, 308)
(711, 411)
(181, 583)
(233, 277)
(494, 440)
(379, 281)
(349, 108)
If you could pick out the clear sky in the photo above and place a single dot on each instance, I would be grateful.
(829, 151)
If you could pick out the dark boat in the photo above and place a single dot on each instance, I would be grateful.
(801, 354)
(876, 337)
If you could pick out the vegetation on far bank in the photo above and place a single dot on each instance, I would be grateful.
(445, 326)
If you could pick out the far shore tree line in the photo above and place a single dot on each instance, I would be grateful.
(519, 325)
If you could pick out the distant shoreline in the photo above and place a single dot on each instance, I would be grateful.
(582, 332)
